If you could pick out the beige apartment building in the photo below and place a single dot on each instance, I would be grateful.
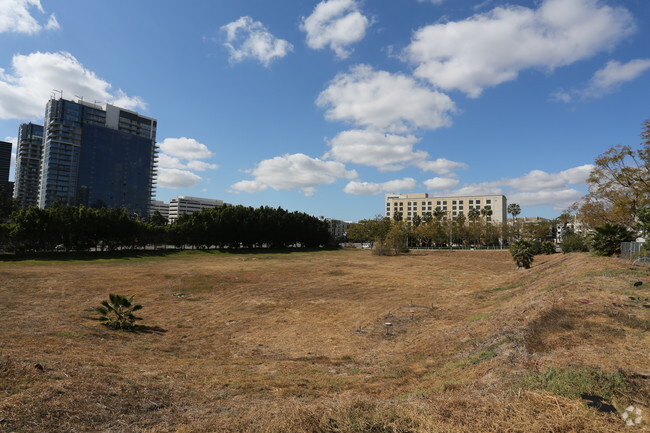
(419, 204)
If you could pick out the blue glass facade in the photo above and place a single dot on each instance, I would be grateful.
(97, 158)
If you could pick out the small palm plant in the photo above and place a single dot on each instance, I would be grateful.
(522, 254)
(117, 312)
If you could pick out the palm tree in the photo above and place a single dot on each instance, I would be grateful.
(438, 213)
(522, 254)
(514, 209)
(117, 312)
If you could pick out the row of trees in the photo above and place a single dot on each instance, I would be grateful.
(432, 230)
(82, 229)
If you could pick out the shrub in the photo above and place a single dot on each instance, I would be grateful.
(522, 253)
(574, 243)
(606, 239)
(548, 247)
(117, 312)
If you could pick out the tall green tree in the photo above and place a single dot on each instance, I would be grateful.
(619, 185)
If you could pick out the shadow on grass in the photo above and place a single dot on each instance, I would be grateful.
(61, 256)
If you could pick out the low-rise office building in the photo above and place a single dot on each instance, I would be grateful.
(188, 205)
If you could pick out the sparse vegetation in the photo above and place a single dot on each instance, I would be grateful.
(295, 342)
(548, 247)
(574, 243)
(118, 312)
(606, 239)
(522, 253)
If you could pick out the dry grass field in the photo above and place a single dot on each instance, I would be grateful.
(296, 342)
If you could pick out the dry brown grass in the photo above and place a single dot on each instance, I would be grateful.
(297, 343)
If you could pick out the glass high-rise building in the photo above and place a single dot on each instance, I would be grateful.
(28, 164)
(97, 157)
(5, 164)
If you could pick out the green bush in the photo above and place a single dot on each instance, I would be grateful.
(522, 253)
(574, 243)
(606, 239)
(117, 312)
(548, 247)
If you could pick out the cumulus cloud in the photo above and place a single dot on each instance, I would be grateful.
(336, 24)
(384, 101)
(179, 159)
(535, 188)
(387, 152)
(558, 199)
(176, 178)
(369, 188)
(247, 38)
(183, 147)
(16, 17)
(441, 166)
(537, 180)
(441, 183)
(293, 171)
(491, 48)
(25, 91)
(606, 80)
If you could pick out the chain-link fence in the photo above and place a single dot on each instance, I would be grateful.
(634, 251)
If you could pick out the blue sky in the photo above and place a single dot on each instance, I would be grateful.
(324, 106)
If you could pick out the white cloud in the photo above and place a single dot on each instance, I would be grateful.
(251, 186)
(387, 152)
(247, 38)
(535, 188)
(179, 158)
(293, 171)
(369, 188)
(24, 93)
(201, 165)
(483, 188)
(559, 199)
(15, 17)
(537, 180)
(616, 73)
(183, 147)
(441, 166)
(337, 24)
(176, 178)
(491, 48)
(441, 183)
(384, 101)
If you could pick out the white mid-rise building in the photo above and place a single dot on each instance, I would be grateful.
(161, 207)
(188, 205)
(410, 205)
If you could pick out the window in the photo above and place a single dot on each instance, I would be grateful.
(460, 202)
(488, 201)
(453, 202)
(471, 202)
(453, 208)
(444, 202)
(460, 208)
(479, 202)
(438, 202)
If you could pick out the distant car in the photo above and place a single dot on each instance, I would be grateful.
(365, 246)
(59, 247)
